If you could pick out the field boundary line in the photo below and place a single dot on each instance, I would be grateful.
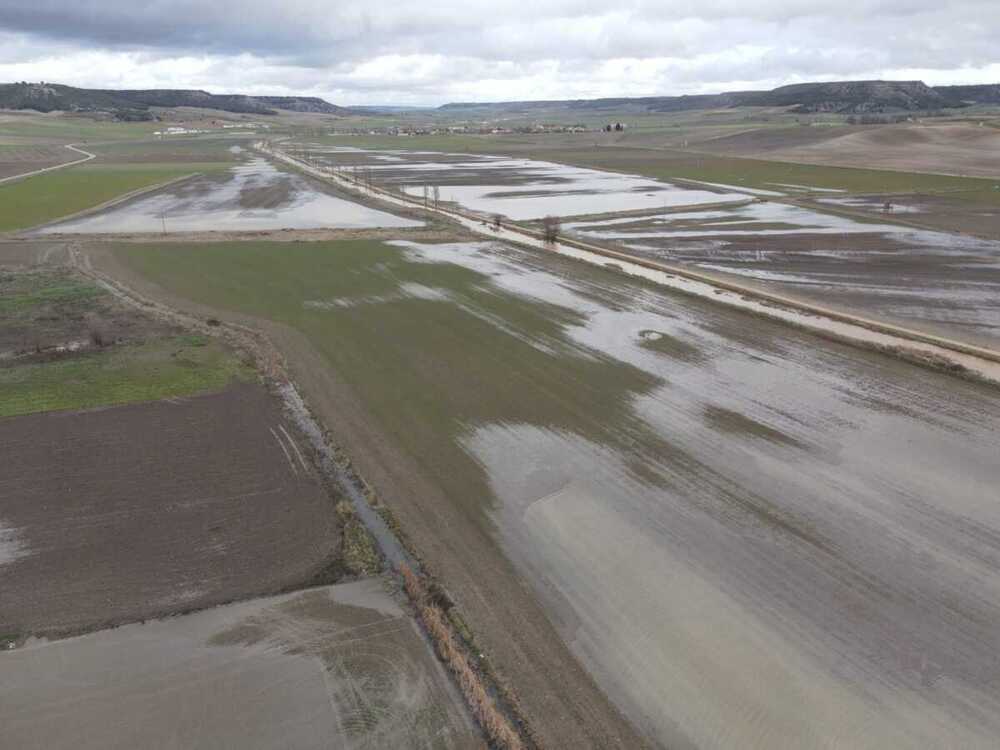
(87, 156)
(19, 233)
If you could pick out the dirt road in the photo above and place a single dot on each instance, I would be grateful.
(87, 156)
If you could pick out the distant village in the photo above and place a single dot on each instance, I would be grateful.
(481, 129)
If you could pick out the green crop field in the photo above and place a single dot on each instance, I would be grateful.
(151, 362)
(52, 128)
(204, 149)
(426, 369)
(163, 368)
(46, 197)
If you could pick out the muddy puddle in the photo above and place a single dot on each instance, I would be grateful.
(521, 189)
(12, 546)
(253, 196)
(340, 666)
(787, 543)
(761, 219)
(876, 203)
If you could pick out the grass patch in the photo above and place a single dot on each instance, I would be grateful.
(168, 150)
(46, 197)
(74, 129)
(359, 553)
(164, 368)
(23, 292)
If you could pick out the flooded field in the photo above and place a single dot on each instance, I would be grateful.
(340, 666)
(833, 537)
(254, 196)
(704, 502)
(946, 282)
(943, 283)
(518, 188)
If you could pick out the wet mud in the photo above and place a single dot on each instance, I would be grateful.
(811, 518)
(341, 667)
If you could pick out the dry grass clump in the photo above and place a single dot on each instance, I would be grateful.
(498, 729)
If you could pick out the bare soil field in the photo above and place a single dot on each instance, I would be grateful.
(760, 141)
(339, 666)
(947, 149)
(61, 309)
(24, 159)
(122, 514)
(648, 493)
(20, 254)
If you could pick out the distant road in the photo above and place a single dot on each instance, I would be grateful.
(87, 156)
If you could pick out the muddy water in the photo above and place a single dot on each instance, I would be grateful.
(759, 219)
(944, 282)
(11, 545)
(807, 552)
(522, 189)
(249, 197)
(340, 666)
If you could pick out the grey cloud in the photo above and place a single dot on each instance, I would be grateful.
(330, 46)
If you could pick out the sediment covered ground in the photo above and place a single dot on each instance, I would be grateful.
(340, 666)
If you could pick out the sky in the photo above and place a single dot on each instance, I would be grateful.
(432, 52)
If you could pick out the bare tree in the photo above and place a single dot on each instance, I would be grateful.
(550, 229)
(425, 196)
(437, 196)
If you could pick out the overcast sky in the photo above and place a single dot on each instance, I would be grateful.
(431, 52)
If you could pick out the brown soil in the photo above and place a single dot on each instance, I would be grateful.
(57, 322)
(128, 513)
(30, 158)
(763, 140)
(946, 149)
(559, 699)
(10, 169)
(22, 254)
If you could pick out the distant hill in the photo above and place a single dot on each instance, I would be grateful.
(855, 97)
(984, 94)
(844, 97)
(135, 104)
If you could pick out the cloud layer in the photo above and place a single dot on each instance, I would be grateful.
(433, 52)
